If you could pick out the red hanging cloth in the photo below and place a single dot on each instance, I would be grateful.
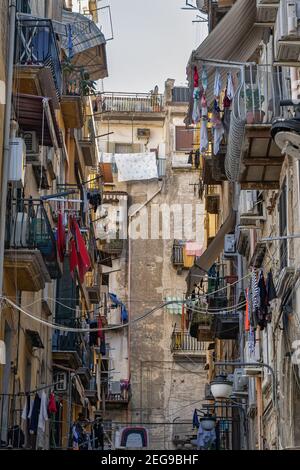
(73, 256)
(84, 262)
(196, 77)
(52, 404)
(61, 238)
(247, 319)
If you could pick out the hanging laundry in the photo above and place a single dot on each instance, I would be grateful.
(197, 158)
(204, 109)
(61, 238)
(247, 318)
(193, 248)
(43, 415)
(203, 136)
(196, 77)
(195, 420)
(124, 313)
(218, 137)
(190, 159)
(73, 259)
(52, 408)
(255, 298)
(34, 418)
(136, 166)
(263, 310)
(196, 108)
(84, 262)
(230, 87)
(94, 199)
(204, 78)
(217, 84)
(226, 100)
(271, 291)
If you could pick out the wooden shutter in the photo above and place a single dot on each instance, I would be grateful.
(184, 139)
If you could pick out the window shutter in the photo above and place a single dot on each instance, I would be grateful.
(184, 139)
(66, 293)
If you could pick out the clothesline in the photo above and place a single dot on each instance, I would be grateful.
(30, 392)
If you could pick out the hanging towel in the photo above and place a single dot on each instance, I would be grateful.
(61, 238)
(203, 136)
(83, 259)
(218, 83)
(218, 136)
(73, 260)
(196, 108)
(247, 319)
(204, 78)
(196, 77)
(43, 415)
(52, 408)
(204, 110)
(229, 87)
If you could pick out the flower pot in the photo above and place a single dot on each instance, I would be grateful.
(255, 117)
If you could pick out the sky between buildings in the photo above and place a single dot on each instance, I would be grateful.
(153, 40)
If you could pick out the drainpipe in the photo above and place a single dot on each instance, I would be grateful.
(6, 135)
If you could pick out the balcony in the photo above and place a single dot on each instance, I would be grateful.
(253, 159)
(37, 61)
(93, 287)
(118, 394)
(113, 247)
(86, 139)
(72, 100)
(226, 326)
(68, 347)
(91, 391)
(201, 323)
(185, 346)
(30, 248)
(213, 172)
(133, 106)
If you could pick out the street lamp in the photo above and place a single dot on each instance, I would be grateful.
(221, 387)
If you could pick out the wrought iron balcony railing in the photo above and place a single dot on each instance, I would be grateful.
(36, 45)
(132, 103)
(183, 342)
(28, 227)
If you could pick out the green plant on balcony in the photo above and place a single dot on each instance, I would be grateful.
(77, 82)
(254, 102)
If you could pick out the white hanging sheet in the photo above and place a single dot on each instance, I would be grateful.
(136, 166)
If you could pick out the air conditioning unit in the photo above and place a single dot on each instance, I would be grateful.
(287, 32)
(143, 133)
(17, 161)
(240, 380)
(267, 10)
(51, 162)
(32, 146)
(229, 244)
(61, 381)
(252, 356)
(18, 236)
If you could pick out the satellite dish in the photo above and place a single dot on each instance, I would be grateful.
(286, 134)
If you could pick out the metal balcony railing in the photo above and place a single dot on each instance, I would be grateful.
(183, 342)
(71, 341)
(36, 45)
(28, 227)
(132, 102)
(256, 101)
(118, 391)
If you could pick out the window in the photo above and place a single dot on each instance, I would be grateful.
(184, 139)
(23, 6)
(127, 148)
(283, 225)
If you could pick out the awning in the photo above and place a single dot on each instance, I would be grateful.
(235, 39)
(215, 248)
(87, 44)
(31, 111)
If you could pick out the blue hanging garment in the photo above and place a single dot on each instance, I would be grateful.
(195, 420)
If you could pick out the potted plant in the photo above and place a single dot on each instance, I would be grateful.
(254, 101)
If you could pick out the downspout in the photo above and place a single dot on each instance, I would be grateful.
(6, 136)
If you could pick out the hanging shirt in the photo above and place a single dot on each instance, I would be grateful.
(61, 238)
(229, 87)
(217, 84)
(203, 136)
(34, 418)
(43, 415)
(204, 78)
(196, 77)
